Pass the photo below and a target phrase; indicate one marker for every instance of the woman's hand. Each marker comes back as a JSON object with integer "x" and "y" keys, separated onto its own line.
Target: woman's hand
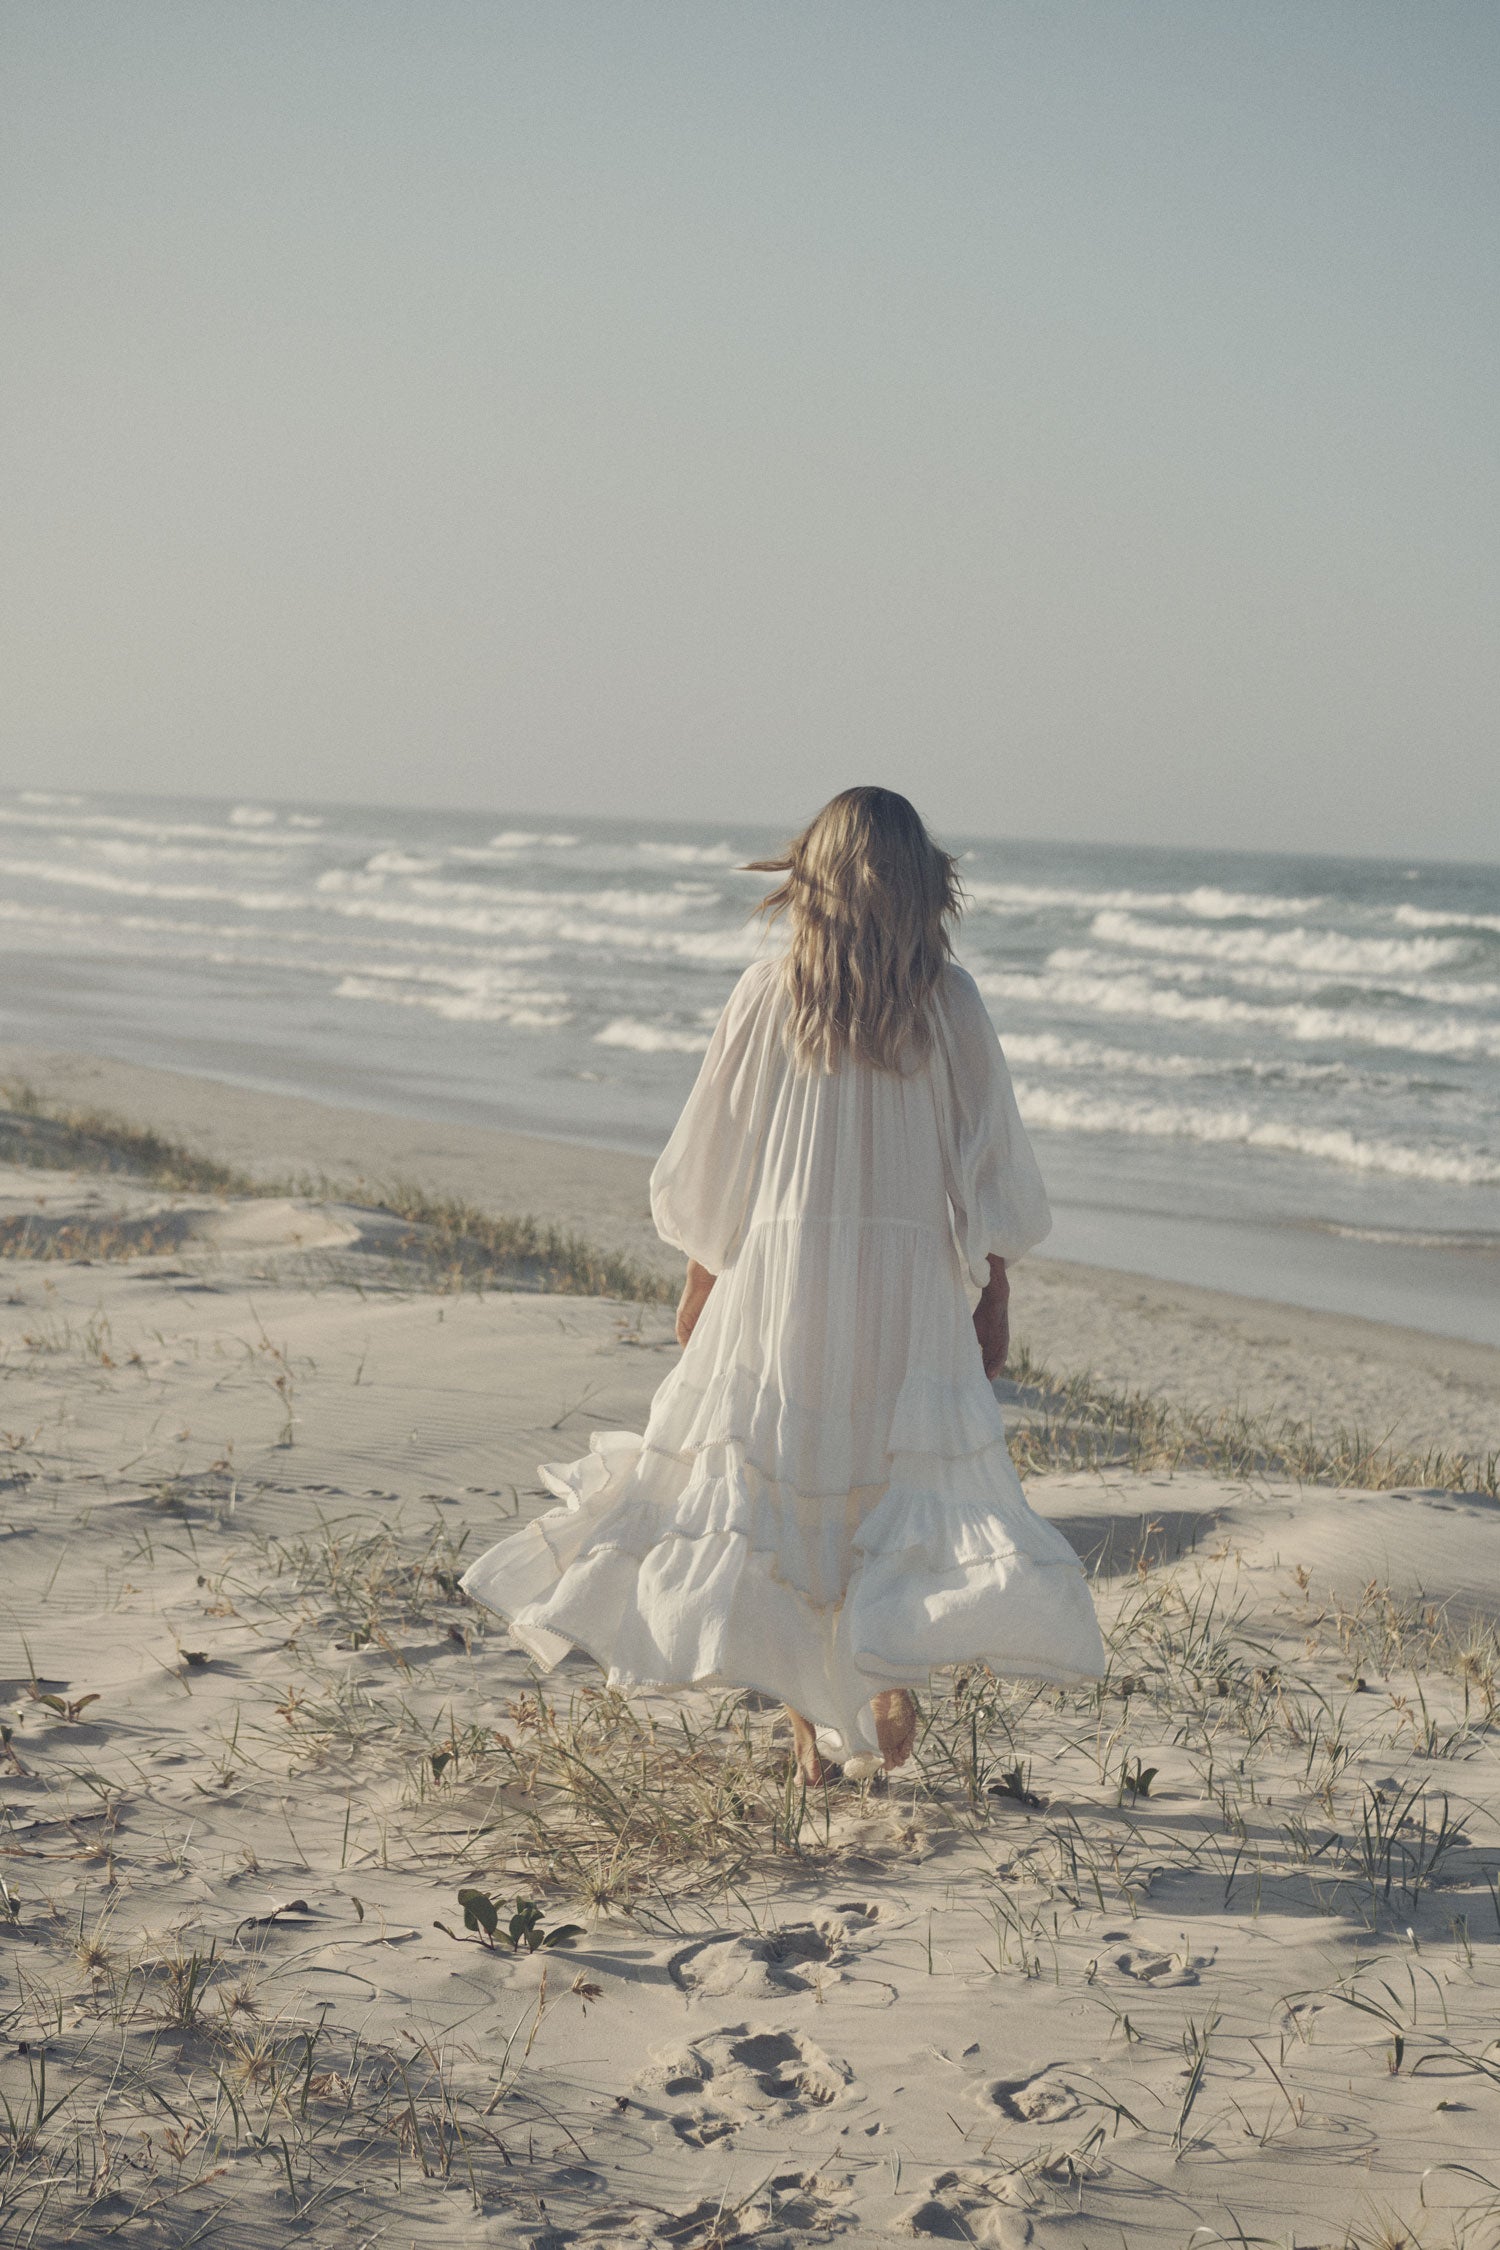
{"x": 992, "y": 1320}
{"x": 693, "y": 1299}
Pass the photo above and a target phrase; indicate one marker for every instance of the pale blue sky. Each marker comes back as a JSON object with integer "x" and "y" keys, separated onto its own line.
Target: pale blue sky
{"x": 1082, "y": 416}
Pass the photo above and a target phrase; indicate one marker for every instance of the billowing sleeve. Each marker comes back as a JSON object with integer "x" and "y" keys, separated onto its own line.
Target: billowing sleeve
{"x": 702, "y": 1183}
{"x": 999, "y": 1202}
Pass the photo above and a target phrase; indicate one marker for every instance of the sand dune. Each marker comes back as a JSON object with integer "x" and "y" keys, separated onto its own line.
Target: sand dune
{"x": 1221, "y": 1954}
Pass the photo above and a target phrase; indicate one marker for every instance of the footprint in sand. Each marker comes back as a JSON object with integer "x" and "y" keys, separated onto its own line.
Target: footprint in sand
{"x": 774, "y": 1962}
{"x": 788, "y": 2069}
{"x": 701, "y": 2128}
{"x": 1159, "y": 1968}
{"x": 969, "y": 2206}
{"x": 745, "y": 2071}
{"x": 1043, "y": 2099}
{"x": 808, "y": 2202}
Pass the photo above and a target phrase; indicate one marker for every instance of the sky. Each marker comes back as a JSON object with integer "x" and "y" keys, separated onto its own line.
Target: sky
{"x": 1080, "y": 414}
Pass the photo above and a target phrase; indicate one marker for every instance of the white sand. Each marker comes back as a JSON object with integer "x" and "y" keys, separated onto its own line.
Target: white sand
{"x": 974, "y": 2024}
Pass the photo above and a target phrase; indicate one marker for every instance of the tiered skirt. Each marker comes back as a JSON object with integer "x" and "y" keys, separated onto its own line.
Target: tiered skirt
{"x": 822, "y": 1505}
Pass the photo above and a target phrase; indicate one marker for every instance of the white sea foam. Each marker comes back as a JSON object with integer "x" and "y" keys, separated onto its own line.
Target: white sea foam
{"x": 370, "y": 881}
{"x": 47, "y": 797}
{"x": 130, "y": 886}
{"x": 1079, "y": 1110}
{"x": 1436, "y": 918}
{"x": 393, "y": 862}
{"x": 1205, "y": 900}
{"x": 1304, "y": 1022}
{"x": 527, "y": 840}
{"x": 1052, "y": 1050}
{"x": 130, "y": 851}
{"x": 651, "y": 1038}
{"x": 79, "y": 823}
{"x": 252, "y": 816}
{"x": 461, "y": 996}
{"x": 555, "y": 922}
{"x": 1325, "y": 952}
{"x": 1259, "y": 976}
{"x": 692, "y": 855}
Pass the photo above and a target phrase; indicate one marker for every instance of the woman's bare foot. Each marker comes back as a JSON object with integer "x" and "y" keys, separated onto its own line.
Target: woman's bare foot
{"x": 895, "y": 1726}
{"x": 810, "y": 1763}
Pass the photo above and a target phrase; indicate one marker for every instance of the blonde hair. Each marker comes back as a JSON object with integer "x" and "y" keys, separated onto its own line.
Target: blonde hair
{"x": 870, "y": 897}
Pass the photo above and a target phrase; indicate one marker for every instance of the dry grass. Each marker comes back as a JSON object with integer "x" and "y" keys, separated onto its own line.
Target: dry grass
{"x": 169, "y": 2074}
{"x": 74, "y": 1241}
{"x": 88, "y": 1140}
{"x": 459, "y": 1245}
{"x": 1296, "y": 1761}
{"x": 635, "y": 1806}
{"x": 451, "y": 1244}
{"x": 1072, "y": 1422}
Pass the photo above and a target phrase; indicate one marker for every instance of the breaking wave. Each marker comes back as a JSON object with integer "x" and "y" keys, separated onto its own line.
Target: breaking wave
{"x": 460, "y": 996}
{"x": 651, "y": 1038}
{"x": 1327, "y": 952}
{"x": 1072, "y": 1109}
{"x": 1205, "y": 901}
{"x": 1303, "y": 1021}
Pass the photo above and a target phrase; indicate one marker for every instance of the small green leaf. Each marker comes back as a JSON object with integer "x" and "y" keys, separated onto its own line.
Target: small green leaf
{"x": 479, "y": 1912}
{"x": 563, "y": 1935}
{"x": 522, "y": 1928}
{"x": 437, "y": 1759}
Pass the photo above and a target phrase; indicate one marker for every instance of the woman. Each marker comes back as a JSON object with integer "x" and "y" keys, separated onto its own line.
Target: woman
{"x": 822, "y": 1506}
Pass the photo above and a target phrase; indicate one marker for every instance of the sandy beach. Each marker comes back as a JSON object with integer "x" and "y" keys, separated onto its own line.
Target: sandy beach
{"x": 1211, "y": 1954}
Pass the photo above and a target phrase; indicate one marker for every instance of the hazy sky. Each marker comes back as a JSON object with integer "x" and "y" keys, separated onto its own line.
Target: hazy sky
{"x": 1082, "y": 413}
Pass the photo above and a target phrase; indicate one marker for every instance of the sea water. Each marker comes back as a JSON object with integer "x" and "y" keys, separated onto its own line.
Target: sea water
{"x": 1275, "y": 1075}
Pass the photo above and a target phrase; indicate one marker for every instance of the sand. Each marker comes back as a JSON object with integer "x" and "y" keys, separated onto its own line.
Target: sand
{"x": 1233, "y": 1976}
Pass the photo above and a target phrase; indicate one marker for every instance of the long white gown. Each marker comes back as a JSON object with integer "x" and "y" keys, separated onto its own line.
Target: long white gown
{"x": 822, "y": 1505}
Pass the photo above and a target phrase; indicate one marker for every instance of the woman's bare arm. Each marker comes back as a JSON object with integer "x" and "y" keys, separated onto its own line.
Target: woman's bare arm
{"x": 992, "y": 1319}
{"x": 693, "y": 1299}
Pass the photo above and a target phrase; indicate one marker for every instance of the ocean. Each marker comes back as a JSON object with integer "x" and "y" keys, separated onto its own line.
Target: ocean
{"x": 1274, "y": 1075}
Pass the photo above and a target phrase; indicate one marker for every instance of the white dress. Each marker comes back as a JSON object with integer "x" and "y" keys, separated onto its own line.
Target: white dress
{"x": 822, "y": 1505}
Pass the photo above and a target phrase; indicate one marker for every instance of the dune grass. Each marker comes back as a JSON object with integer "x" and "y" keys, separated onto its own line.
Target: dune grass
{"x": 90, "y": 1140}
{"x": 638, "y": 1805}
{"x": 1075, "y": 1422}
{"x": 166, "y": 2076}
{"x": 452, "y": 1244}
{"x": 459, "y": 1243}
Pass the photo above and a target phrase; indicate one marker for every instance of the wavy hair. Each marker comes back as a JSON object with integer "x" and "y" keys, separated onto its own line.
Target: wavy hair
{"x": 871, "y": 898}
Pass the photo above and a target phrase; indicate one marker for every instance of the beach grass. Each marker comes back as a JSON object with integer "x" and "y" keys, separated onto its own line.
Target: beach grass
{"x": 1075, "y": 1422}
{"x": 56, "y": 1138}
{"x": 459, "y": 1244}
{"x": 1263, "y": 1751}
{"x": 1260, "y": 1752}
{"x": 451, "y": 1244}
{"x": 139, "y": 2072}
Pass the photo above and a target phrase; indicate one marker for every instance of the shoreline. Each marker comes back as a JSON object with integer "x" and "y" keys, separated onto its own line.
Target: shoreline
{"x": 1198, "y": 1345}
{"x": 1135, "y": 1210}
